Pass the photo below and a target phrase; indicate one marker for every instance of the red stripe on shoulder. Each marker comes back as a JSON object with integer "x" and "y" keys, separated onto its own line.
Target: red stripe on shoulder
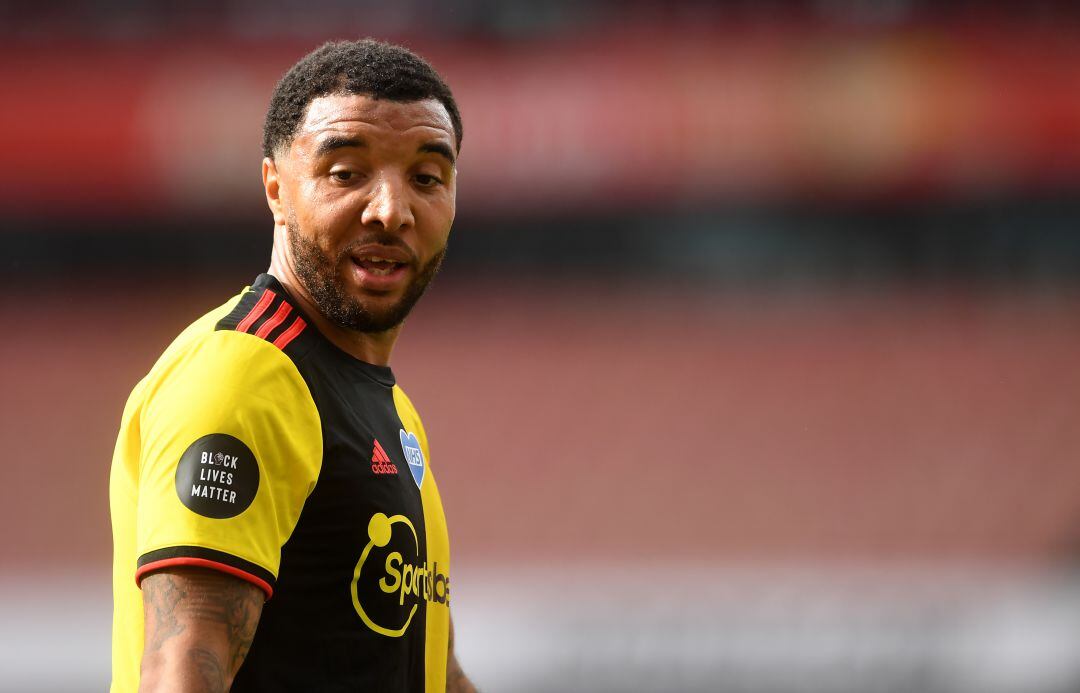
{"x": 264, "y": 301}
{"x": 276, "y": 319}
{"x": 203, "y": 563}
{"x": 290, "y": 334}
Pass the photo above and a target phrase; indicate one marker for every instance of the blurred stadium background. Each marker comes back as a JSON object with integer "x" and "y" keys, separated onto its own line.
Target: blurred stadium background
{"x": 754, "y": 365}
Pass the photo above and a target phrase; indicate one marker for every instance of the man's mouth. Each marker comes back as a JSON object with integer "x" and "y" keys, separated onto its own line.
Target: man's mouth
{"x": 377, "y": 265}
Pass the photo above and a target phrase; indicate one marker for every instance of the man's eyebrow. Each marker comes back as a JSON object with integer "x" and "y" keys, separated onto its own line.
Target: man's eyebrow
{"x": 439, "y": 148}
{"x": 337, "y": 142}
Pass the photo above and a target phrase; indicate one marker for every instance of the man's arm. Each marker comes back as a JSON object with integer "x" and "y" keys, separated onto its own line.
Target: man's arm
{"x": 456, "y": 680}
{"x": 199, "y": 627}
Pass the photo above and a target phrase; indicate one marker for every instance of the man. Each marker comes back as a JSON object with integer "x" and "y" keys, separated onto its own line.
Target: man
{"x": 276, "y": 523}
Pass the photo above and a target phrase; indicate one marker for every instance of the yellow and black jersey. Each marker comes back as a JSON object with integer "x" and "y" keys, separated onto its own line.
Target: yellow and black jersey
{"x": 257, "y": 448}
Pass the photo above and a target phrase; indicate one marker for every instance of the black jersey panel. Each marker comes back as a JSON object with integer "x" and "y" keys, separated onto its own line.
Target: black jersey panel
{"x": 348, "y": 611}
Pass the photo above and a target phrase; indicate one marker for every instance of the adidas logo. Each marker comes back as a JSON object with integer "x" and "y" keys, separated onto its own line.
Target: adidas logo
{"x": 380, "y": 461}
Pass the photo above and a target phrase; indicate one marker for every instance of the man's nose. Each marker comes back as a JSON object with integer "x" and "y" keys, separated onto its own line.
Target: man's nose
{"x": 388, "y": 205}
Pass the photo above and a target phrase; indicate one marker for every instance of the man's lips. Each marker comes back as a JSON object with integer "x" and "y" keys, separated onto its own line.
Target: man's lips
{"x": 381, "y": 253}
{"x": 380, "y": 267}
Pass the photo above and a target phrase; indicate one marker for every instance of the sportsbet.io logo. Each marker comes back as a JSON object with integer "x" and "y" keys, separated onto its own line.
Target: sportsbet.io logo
{"x": 217, "y": 476}
{"x": 388, "y": 583}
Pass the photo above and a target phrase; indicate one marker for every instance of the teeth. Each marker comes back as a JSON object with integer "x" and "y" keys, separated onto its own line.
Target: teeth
{"x": 378, "y": 265}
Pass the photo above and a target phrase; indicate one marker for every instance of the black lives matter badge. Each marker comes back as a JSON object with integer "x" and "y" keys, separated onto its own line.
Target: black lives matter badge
{"x": 217, "y": 476}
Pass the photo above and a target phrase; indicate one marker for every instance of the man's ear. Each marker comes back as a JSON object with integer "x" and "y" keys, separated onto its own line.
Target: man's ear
{"x": 272, "y": 186}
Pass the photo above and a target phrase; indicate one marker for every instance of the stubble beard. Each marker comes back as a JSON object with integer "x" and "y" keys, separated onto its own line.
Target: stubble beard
{"x": 321, "y": 277}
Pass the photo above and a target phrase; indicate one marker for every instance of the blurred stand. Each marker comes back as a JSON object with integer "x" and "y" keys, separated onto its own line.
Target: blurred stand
{"x": 753, "y": 366}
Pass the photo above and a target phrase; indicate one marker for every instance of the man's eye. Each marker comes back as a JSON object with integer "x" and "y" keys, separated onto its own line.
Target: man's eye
{"x": 343, "y": 176}
{"x": 425, "y": 180}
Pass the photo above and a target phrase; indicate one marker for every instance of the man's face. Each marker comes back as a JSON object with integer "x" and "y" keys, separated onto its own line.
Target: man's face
{"x": 367, "y": 190}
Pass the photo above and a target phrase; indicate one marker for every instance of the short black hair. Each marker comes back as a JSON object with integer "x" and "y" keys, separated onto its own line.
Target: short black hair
{"x": 368, "y": 67}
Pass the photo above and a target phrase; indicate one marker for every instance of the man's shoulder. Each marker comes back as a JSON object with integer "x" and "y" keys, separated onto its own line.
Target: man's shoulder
{"x": 201, "y": 340}
{"x": 409, "y": 416}
{"x": 249, "y": 344}
{"x": 261, "y": 311}
{"x": 198, "y": 331}
{"x": 403, "y": 403}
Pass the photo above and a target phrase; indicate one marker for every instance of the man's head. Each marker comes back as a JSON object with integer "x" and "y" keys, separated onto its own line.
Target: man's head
{"x": 366, "y": 67}
{"x": 360, "y": 144}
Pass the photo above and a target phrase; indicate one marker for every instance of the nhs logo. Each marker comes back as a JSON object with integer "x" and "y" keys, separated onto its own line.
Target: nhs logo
{"x": 410, "y": 445}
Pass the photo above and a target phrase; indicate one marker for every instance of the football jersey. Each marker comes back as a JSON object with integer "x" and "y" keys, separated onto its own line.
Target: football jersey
{"x": 257, "y": 448}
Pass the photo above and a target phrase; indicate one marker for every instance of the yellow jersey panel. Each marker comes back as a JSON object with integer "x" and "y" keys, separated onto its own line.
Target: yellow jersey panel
{"x": 438, "y": 556}
{"x": 219, "y": 447}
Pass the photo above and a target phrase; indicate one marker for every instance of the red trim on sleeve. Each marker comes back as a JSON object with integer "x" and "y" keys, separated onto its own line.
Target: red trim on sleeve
{"x": 203, "y": 563}
{"x": 290, "y": 334}
{"x": 264, "y": 301}
{"x": 276, "y": 319}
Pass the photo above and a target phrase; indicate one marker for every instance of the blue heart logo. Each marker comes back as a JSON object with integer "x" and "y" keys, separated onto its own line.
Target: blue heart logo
{"x": 410, "y": 445}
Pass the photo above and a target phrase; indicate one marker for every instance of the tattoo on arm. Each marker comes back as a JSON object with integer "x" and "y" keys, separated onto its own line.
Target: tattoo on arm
{"x": 161, "y": 594}
{"x": 199, "y": 626}
{"x": 231, "y": 604}
{"x": 208, "y": 669}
